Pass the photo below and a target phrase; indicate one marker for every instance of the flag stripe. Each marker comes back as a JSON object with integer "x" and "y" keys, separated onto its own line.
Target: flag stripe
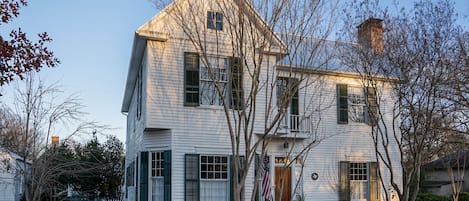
{"x": 266, "y": 186}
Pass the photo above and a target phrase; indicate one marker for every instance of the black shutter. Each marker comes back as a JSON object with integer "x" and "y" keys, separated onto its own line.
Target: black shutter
{"x": 144, "y": 176}
{"x": 342, "y": 104}
{"x": 167, "y": 175}
{"x": 191, "y": 177}
{"x": 237, "y": 92}
{"x": 191, "y": 79}
{"x": 344, "y": 181}
{"x": 372, "y": 101}
{"x": 374, "y": 183}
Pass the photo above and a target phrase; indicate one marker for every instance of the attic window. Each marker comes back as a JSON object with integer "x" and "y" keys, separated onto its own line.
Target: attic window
{"x": 215, "y": 20}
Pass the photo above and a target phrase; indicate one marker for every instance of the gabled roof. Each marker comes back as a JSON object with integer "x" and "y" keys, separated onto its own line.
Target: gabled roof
{"x": 145, "y": 32}
{"x": 452, "y": 159}
{"x": 12, "y": 154}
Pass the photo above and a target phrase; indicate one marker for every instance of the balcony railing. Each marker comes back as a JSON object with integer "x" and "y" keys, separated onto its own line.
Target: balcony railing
{"x": 297, "y": 124}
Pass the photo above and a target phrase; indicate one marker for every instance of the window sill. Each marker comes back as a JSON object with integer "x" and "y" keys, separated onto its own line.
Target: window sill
{"x": 211, "y": 107}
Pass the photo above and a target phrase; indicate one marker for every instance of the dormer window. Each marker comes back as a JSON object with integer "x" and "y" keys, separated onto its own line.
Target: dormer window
{"x": 215, "y": 20}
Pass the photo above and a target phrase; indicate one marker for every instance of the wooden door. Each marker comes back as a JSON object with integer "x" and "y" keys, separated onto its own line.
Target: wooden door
{"x": 283, "y": 174}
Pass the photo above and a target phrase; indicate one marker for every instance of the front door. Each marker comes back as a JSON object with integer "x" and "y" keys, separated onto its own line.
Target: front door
{"x": 283, "y": 175}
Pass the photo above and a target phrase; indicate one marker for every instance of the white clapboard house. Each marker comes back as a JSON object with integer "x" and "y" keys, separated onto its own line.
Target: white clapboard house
{"x": 178, "y": 146}
{"x": 11, "y": 175}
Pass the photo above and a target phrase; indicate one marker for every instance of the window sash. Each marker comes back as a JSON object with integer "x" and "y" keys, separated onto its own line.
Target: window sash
{"x": 357, "y": 104}
{"x": 157, "y": 188}
{"x": 219, "y": 67}
{"x": 213, "y": 168}
{"x": 157, "y": 161}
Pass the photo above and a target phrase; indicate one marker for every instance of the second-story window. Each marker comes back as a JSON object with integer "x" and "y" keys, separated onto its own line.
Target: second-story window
{"x": 201, "y": 79}
{"x": 353, "y": 104}
{"x": 218, "y": 68}
{"x": 357, "y": 104}
{"x": 215, "y": 20}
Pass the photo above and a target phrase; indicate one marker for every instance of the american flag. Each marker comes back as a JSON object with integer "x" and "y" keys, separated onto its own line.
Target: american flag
{"x": 266, "y": 186}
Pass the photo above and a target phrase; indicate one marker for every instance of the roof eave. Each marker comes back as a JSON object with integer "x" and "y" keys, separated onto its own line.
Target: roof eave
{"x": 135, "y": 58}
{"x": 139, "y": 45}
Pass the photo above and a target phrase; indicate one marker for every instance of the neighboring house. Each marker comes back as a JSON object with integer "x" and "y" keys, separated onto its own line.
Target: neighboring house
{"x": 178, "y": 147}
{"x": 437, "y": 173}
{"x": 11, "y": 175}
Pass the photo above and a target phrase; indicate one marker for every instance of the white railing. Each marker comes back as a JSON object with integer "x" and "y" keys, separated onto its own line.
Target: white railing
{"x": 298, "y": 123}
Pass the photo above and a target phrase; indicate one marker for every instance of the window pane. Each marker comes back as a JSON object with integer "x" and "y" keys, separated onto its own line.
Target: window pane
{"x": 214, "y": 167}
{"x": 210, "y": 19}
{"x": 157, "y": 164}
{"x": 357, "y": 104}
{"x": 212, "y": 74}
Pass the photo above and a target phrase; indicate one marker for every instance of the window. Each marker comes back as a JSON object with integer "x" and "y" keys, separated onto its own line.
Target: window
{"x": 215, "y": 20}
{"x": 358, "y": 181}
{"x": 219, "y": 69}
{"x": 200, "y": 80}
{"x": 207, "y": 177}
{"x": 352, "y": 105}
{"x": 214, "y": 167}
{"x": 357, "y": 104}
{"x": 214, "y": 183}
{"x": 157, "y": 176}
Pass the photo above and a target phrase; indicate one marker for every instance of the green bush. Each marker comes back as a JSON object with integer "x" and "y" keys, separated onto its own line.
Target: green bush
{"x": 432, "y": 197}
{"x": 464, "y": 196}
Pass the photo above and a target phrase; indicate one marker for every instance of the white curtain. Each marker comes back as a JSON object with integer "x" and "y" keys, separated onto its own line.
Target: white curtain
{"x": 214, "y": 190}
{"x": 157, "y": 188}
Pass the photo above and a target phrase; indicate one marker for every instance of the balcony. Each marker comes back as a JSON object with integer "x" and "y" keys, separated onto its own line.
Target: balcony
{"x": 296, "y": 126}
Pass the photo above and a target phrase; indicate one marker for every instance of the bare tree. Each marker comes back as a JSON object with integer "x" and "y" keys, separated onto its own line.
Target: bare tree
{"x": 257, "y": 34}
{"x": 418, "y": 54}
{"x": 39, "y": 109}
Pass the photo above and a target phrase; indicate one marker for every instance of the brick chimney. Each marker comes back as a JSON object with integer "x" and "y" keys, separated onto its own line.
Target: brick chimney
{"x": 370, "y": 34}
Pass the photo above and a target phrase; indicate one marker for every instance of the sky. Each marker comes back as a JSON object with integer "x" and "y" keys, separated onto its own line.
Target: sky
{"x": 93, "y": 40}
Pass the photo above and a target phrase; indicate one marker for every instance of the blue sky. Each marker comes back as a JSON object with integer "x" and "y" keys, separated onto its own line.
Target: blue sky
{"x": 93, "y": 40}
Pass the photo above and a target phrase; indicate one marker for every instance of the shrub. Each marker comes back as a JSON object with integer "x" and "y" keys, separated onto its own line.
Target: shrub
{"x": 464, "y": 196}
{"x": 432, "y": 197}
